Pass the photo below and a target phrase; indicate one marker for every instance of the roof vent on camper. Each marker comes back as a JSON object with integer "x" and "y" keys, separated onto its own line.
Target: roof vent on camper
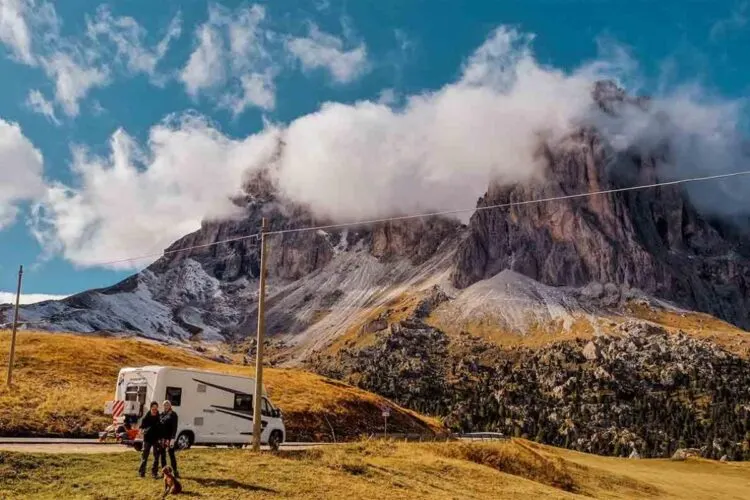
{"x": 201, "y": 387}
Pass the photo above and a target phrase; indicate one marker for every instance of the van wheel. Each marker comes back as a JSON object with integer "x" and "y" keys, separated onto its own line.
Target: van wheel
{"x": 274, "y": 440}
{"x": 184, "y": 440}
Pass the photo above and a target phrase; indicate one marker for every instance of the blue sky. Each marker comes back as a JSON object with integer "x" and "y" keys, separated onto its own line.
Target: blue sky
{"x": 73, "y": 74}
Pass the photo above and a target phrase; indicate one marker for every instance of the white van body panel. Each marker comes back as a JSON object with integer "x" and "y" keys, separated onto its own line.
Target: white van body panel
{"x": 213, "y": 408}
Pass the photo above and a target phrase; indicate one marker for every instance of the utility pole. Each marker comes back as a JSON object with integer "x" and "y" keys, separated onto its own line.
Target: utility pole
{"x": 258, "y": 396}
{"x": 15, "y": 328}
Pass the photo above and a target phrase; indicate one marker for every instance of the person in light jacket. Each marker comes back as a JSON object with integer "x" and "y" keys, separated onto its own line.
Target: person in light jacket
{"x": 168, "y": 424}
{"x": 152, "y": 433}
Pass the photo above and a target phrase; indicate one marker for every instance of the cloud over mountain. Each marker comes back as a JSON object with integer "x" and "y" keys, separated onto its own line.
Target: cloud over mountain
{"x": 356, "y": 161}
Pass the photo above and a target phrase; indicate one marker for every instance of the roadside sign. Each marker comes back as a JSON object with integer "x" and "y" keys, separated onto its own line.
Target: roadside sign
{"x": 386, "y": 412}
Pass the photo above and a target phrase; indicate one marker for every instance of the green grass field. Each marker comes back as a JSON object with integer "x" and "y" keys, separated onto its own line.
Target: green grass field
{"x": 509, "y": 470}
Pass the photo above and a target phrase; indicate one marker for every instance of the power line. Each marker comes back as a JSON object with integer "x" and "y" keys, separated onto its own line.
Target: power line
{"x": 169, "y": 252}
{"x": 512, "y": 204}
{"x": 434, "y": 214}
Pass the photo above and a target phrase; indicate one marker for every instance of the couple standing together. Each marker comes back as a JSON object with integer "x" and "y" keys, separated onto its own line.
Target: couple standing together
{"x": 159, "y": 434}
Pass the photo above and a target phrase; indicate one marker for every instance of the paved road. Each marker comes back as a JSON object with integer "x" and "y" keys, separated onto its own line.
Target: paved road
{"x": 67, "y": 445}
{"x": 87, "y": 446}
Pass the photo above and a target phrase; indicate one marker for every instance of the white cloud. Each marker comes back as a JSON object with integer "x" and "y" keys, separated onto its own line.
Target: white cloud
{"x": 14, "y": 32}
{"x": 323, "y": 50}
{"x": 20, "y": 171}
{"x": 129, "y": 39}
{"x": 389, "y": 97}
{"x": 246, "y": 37}
{"x": 31, "y": 29}
{"x": 73, "y": 79}
{"x": 134, "y": 200}
{"x": 231, "y": 62}
{"x": 256, "y": 89}
{"x": 77, "y": 64}
{"x": 39, "y": 104}
{"x": 435, "y": 151}
{"x": 736, "y": 20}
{"x": 27, "y": 298}
{"x": 322, "y": 5}
{"x": 205, "y": 68}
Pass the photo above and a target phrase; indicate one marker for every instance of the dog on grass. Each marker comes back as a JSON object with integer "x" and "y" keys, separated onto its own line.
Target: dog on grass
{"x": 172, "y": 485}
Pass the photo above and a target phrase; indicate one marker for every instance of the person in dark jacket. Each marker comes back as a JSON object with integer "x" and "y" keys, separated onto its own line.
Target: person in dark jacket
{"x": 152, "y": 433}
{"x": 168, "y": 426}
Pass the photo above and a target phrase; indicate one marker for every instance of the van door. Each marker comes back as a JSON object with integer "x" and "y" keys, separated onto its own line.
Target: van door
{"x": 241, "y": 419}
{"x": 266, "y": 412}
{"x": 137, "y": 393}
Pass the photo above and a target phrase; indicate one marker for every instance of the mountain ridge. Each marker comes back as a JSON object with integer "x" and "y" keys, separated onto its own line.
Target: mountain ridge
{"x": 323, "y": 282}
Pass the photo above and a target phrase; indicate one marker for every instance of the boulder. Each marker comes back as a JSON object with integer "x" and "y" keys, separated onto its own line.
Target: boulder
{"x": 591, "y": 351}
{"x": 685, "y": 453}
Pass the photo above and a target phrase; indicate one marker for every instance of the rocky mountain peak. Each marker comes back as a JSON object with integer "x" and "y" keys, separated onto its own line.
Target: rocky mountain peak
{"x": 653, "y": 240}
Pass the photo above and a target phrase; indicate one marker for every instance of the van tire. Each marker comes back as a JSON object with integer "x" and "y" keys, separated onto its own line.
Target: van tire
{"x": 184, "y": 441}
{"x": 274, "y": 440}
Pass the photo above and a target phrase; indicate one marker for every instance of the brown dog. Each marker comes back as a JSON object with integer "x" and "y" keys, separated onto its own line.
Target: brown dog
{"x": 171, "y": 484}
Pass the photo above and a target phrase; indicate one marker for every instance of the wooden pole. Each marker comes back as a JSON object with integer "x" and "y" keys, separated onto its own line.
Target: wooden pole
{"x": 258, "y": 395}
{"x": 12, "y": 356}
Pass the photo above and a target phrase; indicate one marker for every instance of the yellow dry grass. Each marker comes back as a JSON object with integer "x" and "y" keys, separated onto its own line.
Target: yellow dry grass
{"x": 515, "y": 469}
{"x": 61, "y": 382}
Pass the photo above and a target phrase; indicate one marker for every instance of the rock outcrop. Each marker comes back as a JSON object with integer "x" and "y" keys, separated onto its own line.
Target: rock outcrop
{"x": 647, "y": 390}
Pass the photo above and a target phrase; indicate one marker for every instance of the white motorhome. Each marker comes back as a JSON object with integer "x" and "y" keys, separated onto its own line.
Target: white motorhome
{"x": 212, "y": 408}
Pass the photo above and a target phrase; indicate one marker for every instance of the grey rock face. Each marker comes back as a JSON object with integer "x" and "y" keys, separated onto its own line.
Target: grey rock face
{"x": 653, "y": 240}
{"x": 208, "y": 291}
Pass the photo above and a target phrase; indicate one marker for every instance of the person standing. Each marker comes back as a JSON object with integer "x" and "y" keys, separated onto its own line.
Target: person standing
{"x": 168, "y": 425}
{"x": 152, "y": 433}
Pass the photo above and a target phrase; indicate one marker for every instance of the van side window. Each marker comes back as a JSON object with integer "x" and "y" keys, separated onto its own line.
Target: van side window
{"x": 174, "y": 395}
{"x": 266, "y": 408}
{"x": 243, "y": 402}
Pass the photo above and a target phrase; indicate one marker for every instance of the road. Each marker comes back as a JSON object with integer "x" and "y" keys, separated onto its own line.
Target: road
{"x": 89, "y": 446}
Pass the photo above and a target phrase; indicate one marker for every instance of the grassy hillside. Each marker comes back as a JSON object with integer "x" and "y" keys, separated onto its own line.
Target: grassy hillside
{"x": 62, "y": 381}
{"x": 516, "y": 469}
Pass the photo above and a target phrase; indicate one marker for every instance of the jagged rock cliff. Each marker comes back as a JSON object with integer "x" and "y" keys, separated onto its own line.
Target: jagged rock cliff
{"x": 653, "y": 240}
